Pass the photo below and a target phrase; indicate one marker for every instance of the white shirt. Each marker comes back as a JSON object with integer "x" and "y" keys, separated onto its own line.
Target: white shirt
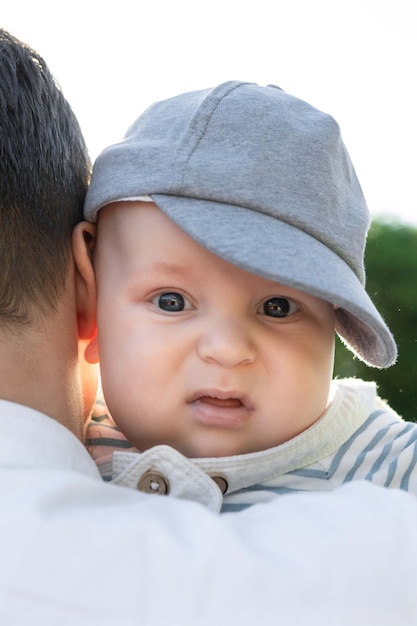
{"x": 75, "y": 551}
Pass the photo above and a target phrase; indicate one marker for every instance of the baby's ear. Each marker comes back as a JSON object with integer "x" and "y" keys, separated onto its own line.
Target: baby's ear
{"x": 83, "y": 242}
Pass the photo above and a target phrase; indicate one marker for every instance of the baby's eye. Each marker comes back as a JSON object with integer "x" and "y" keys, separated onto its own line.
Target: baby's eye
{"x": 278, "y": 307}
{"x": 171, "y": 301}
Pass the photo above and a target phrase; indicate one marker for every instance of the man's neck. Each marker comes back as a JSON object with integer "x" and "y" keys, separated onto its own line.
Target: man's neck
{"x": 39, "y": 368}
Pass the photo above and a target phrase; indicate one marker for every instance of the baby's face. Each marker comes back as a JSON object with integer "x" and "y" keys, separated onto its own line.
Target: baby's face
{"x": 198, "y": 354}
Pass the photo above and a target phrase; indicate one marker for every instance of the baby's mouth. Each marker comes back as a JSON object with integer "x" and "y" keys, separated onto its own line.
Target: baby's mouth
{"x": 223, "y": 402}
{"x": 221, "y": 409}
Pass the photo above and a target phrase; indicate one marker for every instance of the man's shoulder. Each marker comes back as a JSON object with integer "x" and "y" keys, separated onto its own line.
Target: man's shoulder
{"x": 30, "y": 440}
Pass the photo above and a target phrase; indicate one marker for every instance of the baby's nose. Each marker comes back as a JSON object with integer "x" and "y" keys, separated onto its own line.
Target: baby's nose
{"x": 228, "y": 343}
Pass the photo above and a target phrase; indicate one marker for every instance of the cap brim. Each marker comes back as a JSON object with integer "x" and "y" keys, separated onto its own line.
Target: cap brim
{"x": 278, "y": 251}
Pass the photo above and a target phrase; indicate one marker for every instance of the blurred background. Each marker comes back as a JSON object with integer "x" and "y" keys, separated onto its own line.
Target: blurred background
{"x": 391, "y": 266}
{"x": 355, "y": 59}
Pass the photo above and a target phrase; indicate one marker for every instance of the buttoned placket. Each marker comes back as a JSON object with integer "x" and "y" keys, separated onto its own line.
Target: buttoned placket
{"x": 164, "y": 471}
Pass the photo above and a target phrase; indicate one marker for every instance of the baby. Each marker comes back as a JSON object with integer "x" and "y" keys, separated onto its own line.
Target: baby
{"x": 229, "y": 249}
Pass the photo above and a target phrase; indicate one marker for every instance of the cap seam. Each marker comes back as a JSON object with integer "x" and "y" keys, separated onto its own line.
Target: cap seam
{"x": 233, "y": 87}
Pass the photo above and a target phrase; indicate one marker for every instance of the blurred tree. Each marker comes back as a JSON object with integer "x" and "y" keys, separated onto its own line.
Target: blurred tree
{"x": 391, "y": 268}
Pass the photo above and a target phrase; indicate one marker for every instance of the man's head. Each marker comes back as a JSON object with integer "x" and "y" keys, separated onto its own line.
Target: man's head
{"x": 45, "y": 305}
{"x": 263, "y": 180}
{"x": 44, "y": 173}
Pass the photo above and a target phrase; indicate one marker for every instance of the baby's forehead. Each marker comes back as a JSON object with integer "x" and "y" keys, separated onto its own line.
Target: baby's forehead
{"x": 136, "y": 203}
{"x": 143, "y": 241}
{"x": 137, "y": 232}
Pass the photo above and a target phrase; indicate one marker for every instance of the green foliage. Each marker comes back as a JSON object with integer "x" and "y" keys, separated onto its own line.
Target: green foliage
{"x": 391, "y": 268}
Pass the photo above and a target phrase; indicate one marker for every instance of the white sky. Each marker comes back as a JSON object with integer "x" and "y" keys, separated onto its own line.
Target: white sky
{"x": 355, "y": 59}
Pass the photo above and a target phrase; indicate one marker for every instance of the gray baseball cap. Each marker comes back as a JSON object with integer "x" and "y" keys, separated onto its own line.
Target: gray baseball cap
{"x": 263, "y": 180}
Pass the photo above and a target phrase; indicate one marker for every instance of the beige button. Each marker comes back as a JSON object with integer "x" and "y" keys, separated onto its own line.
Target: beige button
{"x": 221, "y": 482}
{"x": 154, "y": 482}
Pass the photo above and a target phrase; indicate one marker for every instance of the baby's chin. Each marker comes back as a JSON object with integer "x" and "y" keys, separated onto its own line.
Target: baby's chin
{"x": 206, "y": 449}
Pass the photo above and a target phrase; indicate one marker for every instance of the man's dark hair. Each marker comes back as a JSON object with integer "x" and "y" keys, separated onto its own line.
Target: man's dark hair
{"x": 44, "y": 174}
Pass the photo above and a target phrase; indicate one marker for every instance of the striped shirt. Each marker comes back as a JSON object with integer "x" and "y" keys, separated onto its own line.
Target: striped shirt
{"x": 357, "y": 438}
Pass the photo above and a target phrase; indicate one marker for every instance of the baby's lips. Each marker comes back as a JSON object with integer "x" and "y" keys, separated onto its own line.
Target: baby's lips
{"x": 223, "y": 402}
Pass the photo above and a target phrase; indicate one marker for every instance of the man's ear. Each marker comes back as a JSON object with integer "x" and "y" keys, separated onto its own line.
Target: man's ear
{"x": 83, "y": 242}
